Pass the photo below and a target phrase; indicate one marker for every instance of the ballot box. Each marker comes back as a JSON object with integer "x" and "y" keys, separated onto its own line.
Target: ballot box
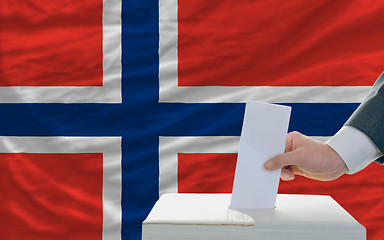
{"x": 208, "y": 217}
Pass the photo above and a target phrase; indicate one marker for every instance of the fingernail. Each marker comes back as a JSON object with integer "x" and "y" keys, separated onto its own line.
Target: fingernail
{"x": 286, "y": 176}
{"x": 268, "y": 165}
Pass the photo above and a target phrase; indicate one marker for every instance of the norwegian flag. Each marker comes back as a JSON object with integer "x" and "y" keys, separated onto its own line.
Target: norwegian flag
{"x": 107, "y": 104}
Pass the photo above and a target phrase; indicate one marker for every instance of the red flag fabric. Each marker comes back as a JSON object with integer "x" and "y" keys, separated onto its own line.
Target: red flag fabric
{"x": 52, "y": 43}
{"x": 51, "y": 196}
{"x": 279, "y": 43}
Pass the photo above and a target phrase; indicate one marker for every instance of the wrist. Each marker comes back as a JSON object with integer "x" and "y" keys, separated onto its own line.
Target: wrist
{"x": 340, "y": 167}
{"x": 354, "y": 147}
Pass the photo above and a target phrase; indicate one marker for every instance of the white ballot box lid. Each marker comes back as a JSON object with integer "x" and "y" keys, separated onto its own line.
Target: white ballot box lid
{"x": 207, "y": 216}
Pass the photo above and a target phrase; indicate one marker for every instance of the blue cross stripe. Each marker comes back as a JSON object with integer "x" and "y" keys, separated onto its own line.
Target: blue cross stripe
{"x": 140, "y": 119}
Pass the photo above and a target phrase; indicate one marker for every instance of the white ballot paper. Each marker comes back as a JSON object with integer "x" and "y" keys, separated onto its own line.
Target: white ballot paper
{"x": 263, "y": 136}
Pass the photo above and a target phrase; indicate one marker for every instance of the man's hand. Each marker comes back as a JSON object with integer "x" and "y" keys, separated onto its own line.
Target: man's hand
{"x": 307, "y": 157}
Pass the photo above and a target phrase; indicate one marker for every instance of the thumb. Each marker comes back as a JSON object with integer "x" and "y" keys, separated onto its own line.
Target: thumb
{"x": 281, "y": 160}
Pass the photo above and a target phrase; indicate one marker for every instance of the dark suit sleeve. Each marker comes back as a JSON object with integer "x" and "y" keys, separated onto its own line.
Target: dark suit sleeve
{"x": 369, "y": 116}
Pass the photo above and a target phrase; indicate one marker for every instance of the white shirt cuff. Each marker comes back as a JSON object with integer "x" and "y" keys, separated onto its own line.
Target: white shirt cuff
{"x": 354, "y": 147}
